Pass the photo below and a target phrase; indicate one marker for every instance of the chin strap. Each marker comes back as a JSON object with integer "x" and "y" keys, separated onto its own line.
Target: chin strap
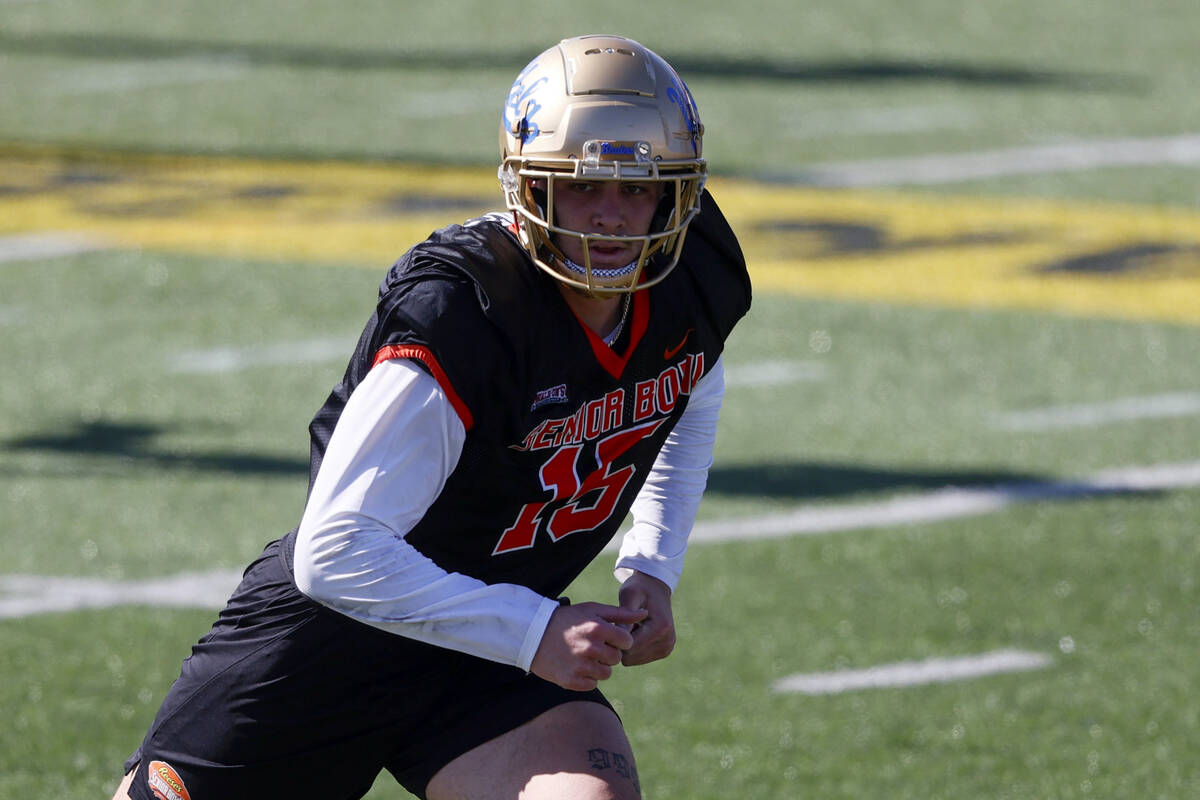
{"x": 607, "y": 274}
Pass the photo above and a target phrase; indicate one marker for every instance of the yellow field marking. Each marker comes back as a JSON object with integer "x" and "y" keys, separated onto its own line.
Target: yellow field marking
{"x": 973, "y": 252}
{"x": 326, "y": 212}
{"x": 1114, "y": 261}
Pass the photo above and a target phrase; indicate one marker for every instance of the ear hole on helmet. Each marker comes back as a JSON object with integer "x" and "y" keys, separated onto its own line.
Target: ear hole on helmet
{"x": 665, "y": 212}
{"x": 536, "y": 191}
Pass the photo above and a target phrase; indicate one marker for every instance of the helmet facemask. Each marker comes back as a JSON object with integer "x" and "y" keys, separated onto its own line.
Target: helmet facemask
{"x": 530, "y": 185}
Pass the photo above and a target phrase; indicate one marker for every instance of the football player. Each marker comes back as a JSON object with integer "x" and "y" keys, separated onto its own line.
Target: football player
{"x": 527, "y": 380}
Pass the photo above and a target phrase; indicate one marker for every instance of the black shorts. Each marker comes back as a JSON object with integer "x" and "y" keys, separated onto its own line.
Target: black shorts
{"x": 286, "y": 698}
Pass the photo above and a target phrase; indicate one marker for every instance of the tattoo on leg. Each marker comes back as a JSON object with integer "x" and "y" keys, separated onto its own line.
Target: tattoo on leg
{"x": 602, "y": 759}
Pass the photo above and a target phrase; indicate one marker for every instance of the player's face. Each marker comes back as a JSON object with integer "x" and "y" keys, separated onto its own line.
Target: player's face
{"x": 621, "y": 208}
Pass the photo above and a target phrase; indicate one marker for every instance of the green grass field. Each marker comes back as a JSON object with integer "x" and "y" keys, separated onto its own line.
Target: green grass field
{"x": 1026, "y": 332}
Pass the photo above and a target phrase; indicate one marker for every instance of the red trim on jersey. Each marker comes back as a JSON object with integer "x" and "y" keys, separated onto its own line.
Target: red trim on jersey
{"x": 426, "y": 357}
{"x": 615, "y": 364}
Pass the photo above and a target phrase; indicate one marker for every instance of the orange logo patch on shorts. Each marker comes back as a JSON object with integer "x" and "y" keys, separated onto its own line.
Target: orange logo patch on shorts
{"x": 165, "y": 782}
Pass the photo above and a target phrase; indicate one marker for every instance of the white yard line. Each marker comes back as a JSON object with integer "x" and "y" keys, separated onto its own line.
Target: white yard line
{"x": 148, "y": 74}
{"x": 233, "y": 359}
{"x": 875, "y": 121}
{"x": 24, "y": 595}
{"x": 1177, "y": 404}
{"x": 954, "y": 167}
{"x": 914, "y": 673}
{"x": 439, "y": 104}
{"x": 945, "y": 504}
{"x": 47, "y": 244}
{"x": 773, "y": 373}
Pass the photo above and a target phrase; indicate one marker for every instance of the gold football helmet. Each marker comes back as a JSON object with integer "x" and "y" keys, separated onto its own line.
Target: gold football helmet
{"x": 601, "y": 108}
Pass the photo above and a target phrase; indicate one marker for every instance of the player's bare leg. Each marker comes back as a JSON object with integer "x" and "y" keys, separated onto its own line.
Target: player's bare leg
{"x": 122, "y": 792}
{"x": 578, "y": 750}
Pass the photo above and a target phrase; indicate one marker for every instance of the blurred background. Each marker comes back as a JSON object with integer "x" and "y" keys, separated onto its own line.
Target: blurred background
{"x": 950, "y": 542}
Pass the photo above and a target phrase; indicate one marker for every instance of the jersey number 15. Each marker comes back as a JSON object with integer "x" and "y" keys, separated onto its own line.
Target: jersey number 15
{"x": 566, "y": 513}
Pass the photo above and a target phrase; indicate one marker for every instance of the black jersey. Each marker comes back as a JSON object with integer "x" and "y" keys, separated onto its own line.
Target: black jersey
{"x": 561, "y": 430}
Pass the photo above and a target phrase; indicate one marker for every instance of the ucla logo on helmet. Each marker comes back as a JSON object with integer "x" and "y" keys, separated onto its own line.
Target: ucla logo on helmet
{"x": 679, "y": 94}
{"x": 521, "y": 107}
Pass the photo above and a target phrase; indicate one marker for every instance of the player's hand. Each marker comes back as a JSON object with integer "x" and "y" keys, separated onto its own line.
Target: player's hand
{"x": 654, "y": 636}
{"x": 583, "y": 643}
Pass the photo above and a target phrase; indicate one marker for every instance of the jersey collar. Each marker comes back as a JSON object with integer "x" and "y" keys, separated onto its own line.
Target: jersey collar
{"x": 614, "y": 363}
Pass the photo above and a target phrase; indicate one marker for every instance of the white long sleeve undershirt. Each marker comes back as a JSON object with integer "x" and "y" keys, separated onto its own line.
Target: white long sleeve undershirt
{"x": 395, "y": 444}
{"x": 665, "y": 508}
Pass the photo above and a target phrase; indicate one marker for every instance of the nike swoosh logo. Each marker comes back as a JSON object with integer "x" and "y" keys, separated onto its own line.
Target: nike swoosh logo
{"x": 670, "y": 352}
